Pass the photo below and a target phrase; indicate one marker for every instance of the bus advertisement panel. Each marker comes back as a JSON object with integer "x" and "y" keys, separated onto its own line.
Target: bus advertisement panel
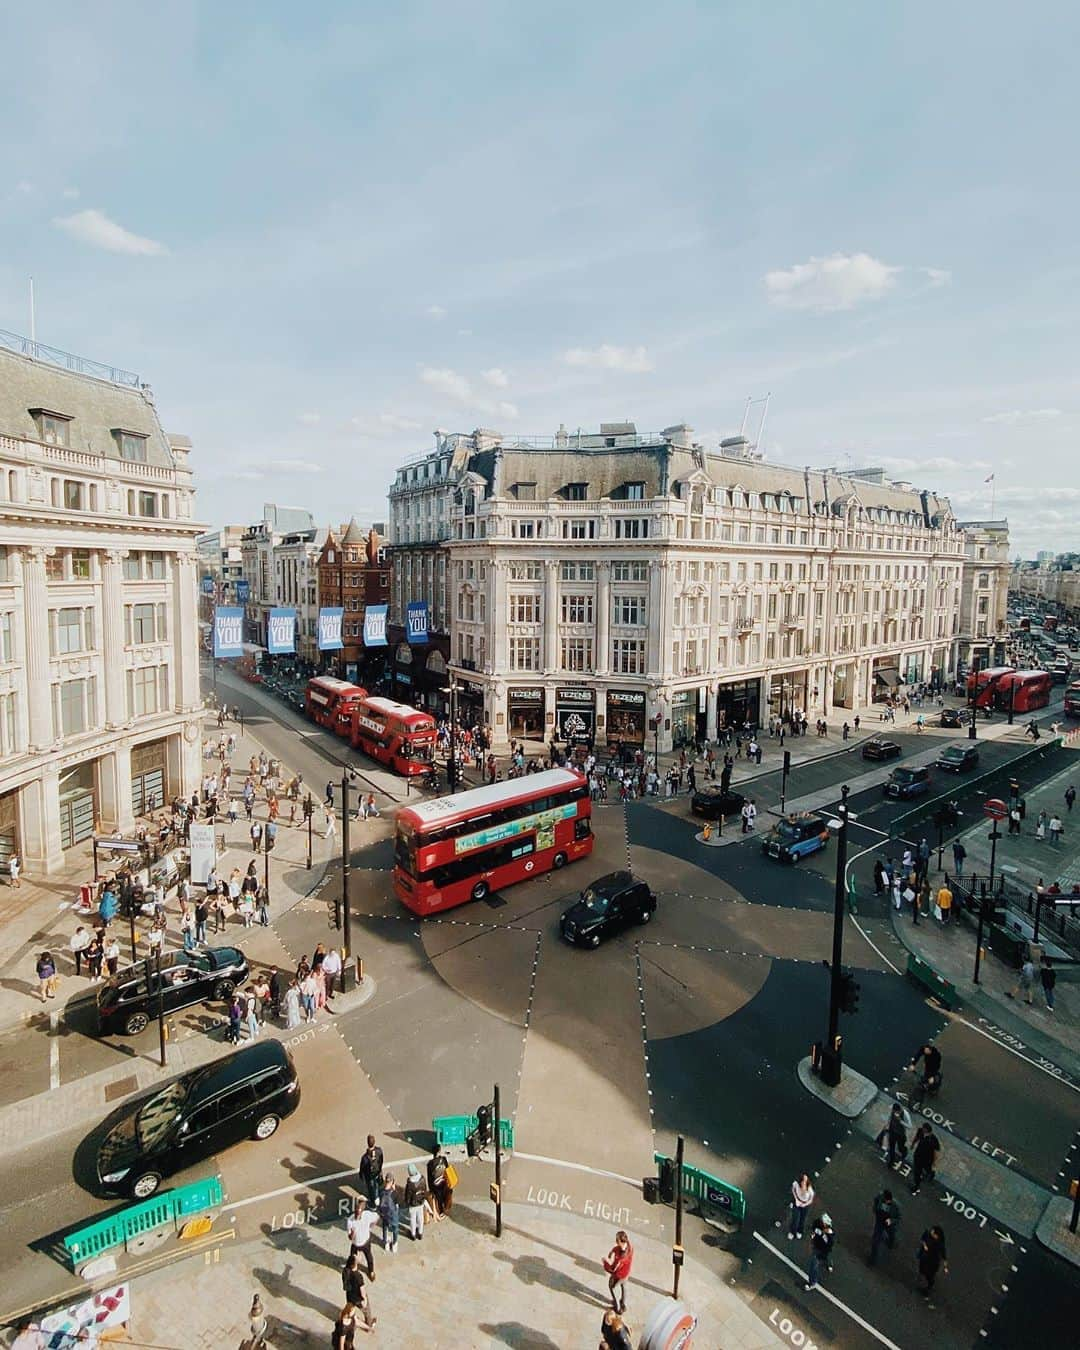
{"x": 465, "y": 846}
{"x": 982, "y": 684}
{"x": 394, "y": 734}
{"x": 1023, "y": 691}
{"x": 330, "y": 703}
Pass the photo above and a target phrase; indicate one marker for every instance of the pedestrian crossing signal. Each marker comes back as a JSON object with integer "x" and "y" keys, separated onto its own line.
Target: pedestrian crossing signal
{"x": 849, "y": 993}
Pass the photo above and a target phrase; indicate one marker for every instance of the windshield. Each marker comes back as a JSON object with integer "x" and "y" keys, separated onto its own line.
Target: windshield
{"x": 902, "y": 775}
{"x": 155, "y": 1119}
{"x": 405, "y": 850}
{"x": 593, "y": 900}
{"x": 786, "y": 831}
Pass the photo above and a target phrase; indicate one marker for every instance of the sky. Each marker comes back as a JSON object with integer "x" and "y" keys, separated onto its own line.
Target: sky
{"x": 322, "y": 232}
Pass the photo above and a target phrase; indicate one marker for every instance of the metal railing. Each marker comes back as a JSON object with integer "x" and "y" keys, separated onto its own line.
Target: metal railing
{"x": 79, "y": 365}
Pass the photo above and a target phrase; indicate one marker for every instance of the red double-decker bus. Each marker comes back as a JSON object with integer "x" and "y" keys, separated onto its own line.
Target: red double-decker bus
{"x": 464, "y": 846}
{"x": 330, "y": 702}
{"x": 1072, "y": 699}
{"x": 982, "y": 684}
{"x": 1023, "y": 690}
{"x": 394, "y": 734}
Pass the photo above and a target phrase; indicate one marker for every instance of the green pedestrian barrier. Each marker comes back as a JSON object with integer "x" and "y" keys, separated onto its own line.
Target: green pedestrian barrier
{"x": 451, "y": 1130}
{"x": 928, "y": 978}
{"x": 168, "y": 1209}
{"x": 711, "y": 1193}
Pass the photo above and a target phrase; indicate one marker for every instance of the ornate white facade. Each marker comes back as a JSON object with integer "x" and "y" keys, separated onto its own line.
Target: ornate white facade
{"x": 99, "y": 667}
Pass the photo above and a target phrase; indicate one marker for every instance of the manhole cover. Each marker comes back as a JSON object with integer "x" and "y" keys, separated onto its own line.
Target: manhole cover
{"x": 121, "y": 1087}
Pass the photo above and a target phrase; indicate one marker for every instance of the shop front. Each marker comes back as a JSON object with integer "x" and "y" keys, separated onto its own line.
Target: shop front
{"x": 625, "y": 723}
{"x": 470, "y": 703}
{"x": 788, "y": 694}
{"x": 575, "y": 715}
{"x": 525, "y": 708}
{"x": 77, "y": 804}
{"x": 738, "y": 704}
{"x": 431, "y": 681}
{"x": 403, "y": 675}
{"x": 843, "y": 685}
{"x": 885, "y": 678}
{"x": 684, "y": 709}
{"x": 9, "y": 827}
{"x": 148, "y": 777}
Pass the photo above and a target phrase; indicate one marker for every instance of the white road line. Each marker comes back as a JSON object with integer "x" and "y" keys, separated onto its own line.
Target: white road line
{"x": 318, "y": 1181}
{"x": 54, "y": 1051}
{"x": 866, "y": 937}
{"x": 1075, "y": 1087}
{"x": 831, "y": 1297}
{"x": 579, "y": 1167}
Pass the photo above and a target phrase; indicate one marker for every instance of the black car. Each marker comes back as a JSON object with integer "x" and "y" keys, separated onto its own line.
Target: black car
{"x": 879, "y": 749}
{"x": 958, "y": 758}
{"x": 954, "y": 717}
{"x": 610, "y": 903}
{"x": 711, "y": 802}
{"x": 243, "y": 1096}
{"x": 128, "y": 1000}
{"x": 908, "y": 782}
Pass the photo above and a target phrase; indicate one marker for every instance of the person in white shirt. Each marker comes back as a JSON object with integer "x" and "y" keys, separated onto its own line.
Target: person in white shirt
{"x": 77, "y": 945}
{"x": 358, "y": 1226}
{"x": 13, "y": 870}
{"x": 802, "y": 1197}
{"x": 331, "y": 966}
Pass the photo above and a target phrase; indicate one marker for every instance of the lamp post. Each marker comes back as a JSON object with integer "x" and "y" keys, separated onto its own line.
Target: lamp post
{"x": 451, "y": 760}
{"x": 833, "y": 1058}
{"x": 346, "y": 917}
{"x": 974, "y": 679}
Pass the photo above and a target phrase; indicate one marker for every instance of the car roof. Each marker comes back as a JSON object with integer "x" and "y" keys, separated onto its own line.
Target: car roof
{"x": 614, "y": 881}
{"x": 233, "y": 1069}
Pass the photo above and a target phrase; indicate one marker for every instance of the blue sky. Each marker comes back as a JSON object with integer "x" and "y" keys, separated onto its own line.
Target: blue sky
{"x": 320, "y": 232}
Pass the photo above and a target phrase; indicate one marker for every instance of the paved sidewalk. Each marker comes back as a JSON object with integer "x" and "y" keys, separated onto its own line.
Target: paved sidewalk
{"x": 540, "y": 1287}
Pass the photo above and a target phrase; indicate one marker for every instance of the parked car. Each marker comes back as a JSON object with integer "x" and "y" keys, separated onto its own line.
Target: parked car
{"x": 604, "y": 907}
{"x": 958, "y": 758}
{"x": 129, "y": 1000}
{"x": 879, "y": 749}
{"x": 711, "y": 802}
{"x": 908, "y": 782}
{"x": 243, "y": 1096}
{"x": 954, "y": 717}
{"x": 795, "y": 836}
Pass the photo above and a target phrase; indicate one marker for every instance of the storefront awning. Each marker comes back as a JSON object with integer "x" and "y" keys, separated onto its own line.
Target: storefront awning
{"x": 889, "y": 675}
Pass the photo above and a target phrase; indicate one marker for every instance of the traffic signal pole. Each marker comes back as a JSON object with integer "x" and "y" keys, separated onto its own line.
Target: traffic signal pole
{"x": 498, "y": 1163}
{"x": 346, "y": 918}
{"x": 831, "y": 1067}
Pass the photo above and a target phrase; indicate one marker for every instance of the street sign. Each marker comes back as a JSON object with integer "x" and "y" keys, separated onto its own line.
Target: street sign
{"x": 995, "y": 808}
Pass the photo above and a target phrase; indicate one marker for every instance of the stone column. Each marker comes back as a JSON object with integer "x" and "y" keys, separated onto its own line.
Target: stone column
{"x": 39, "y": 812}
{"x": 114, "y": 789}
{"x": 185, "y": 636}
{"x": 603, "y": 618}
{"x": 654, "y": 641}
{"x": 551, "y": 616}
{"x": 112, "y": 643}
{"x": 36, "y": 629}
{"x": 497, "y": 618}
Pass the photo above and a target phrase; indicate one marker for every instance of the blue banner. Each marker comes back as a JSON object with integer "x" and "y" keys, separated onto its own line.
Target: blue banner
{"x": 208, "y": 585}
{"x": 330, "y": 630}
{"x": 228, "y": 631}
{"x": 281, "y": 631}
{"x": 375, "y": 626}
{"x": 416, "y": 629}
{"x": 243, "y": 589}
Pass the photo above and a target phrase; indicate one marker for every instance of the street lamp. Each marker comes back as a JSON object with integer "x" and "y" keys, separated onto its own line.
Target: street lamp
{"x": 831, "y": 1060}
{"x": 974, "y": 682}
{"x": 451, "y": 761}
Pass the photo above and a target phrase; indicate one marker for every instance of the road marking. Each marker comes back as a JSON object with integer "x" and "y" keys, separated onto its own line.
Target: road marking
{"x": 54, "y": 1051}
{"x": 830, "y": 1296}
{"x": 579, "y": 1167}
{"x": 1013, "y": 1051}
{"x": 319, "y": 1181}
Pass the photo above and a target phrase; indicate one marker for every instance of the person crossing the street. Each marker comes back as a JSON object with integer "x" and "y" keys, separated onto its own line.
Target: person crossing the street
{"x": 886, "y": 1223}
{"x": 924, "y": 1156}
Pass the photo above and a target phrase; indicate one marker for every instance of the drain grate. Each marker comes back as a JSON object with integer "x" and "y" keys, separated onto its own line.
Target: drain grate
{"x": 121, "y": 1088}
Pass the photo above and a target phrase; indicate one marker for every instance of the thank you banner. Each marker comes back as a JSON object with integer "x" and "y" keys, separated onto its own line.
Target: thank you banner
{"x": 375, "y": 626}
{"x": 281, "y": 631}
{"x": 330, "y": 630}
{"x": 228, "y": 630}
{"x": 243, "y": 589}
{"x": 417, "y": 621}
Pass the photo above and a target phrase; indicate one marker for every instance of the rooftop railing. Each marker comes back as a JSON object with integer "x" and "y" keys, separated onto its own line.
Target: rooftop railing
{"x": 78, "y": 365}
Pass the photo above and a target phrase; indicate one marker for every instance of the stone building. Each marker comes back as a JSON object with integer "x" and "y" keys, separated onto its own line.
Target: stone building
{"x": 984, "y": 594}
{"x": 99, "y": 664}
{"x": 354, "y": 572}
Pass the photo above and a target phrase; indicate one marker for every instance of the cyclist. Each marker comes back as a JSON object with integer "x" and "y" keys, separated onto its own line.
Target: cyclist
{"x": 931, "y": 1076}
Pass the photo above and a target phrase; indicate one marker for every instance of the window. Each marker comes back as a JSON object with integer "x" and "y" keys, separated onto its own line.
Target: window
{"x": 6, "y": 647}
{"x": 133, "y": 567}
{"x": 582, "y": 571}
{"x": 524, "y": 608}
{"x": 75, "y": 706}
{"x": 144, "y": 623}
{"x": 80, "y": 564}
{"x": 631, "y": 527}
{"x": 146, "y": 503}
{"x": 74, "y": 495}
{"x": 630, "y": 610}
{"x": 72, "y": 630}
{"x": 8, "y": 724}
{"x": 55, "y": 566}
{"x": 525, "y": 492}
{"x": 525, "y": 571}
{"x": 577, "y": 609}
{"x": 54, "y": 428}
{"x": 154, "y": 566}
{"x": 635, "y": 492}
{"x": 576, "y": 492}
{"x": 628, "y": 656}
{"x": 132, "y": 447}
{"x": 5, "y": 569}
{"x": 147, "y": 690}
{"x": 579, "y": 529}
{"x": 629, "y": 571}
{"x": 525, "y": 529}
{"x": 577, "y": 655}
{"x": 524, "y": 653}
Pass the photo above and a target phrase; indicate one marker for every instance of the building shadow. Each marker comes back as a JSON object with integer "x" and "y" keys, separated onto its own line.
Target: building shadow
{"x": 281, "y": 1285}
{"x": 533, "y": 1270}
{"x": 518, "y": 1335}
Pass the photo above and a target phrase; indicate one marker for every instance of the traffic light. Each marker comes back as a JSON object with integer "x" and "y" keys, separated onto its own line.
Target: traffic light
{"x": 309, "y": 807}
{"x": 667, "y": 1180}
{"x": 849, "y": 993}
{"x": 787, "y": 761}
{"x": 483, "y": 1123}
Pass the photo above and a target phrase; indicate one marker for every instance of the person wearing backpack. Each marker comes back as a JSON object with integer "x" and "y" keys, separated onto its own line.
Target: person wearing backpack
{"x": 389, "y": 1212}
{"x": 415, "y": 1194}
{"x": 439, "y": 1185}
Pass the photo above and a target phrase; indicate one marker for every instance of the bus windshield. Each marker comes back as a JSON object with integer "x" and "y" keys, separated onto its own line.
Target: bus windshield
{"x": 405, "y": 849}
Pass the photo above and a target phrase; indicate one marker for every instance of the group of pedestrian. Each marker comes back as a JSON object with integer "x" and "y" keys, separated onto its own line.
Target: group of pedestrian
{"x": 1044, "y": 973}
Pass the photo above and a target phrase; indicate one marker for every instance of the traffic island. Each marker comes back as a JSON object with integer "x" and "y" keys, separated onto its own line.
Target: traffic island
{"x": 1053, "y": 1229}
{"x": 711, "y": 839}
{"x": 851, "y": 1096}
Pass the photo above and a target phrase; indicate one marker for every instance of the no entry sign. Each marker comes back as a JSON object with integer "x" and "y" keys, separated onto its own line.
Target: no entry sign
{"x": 995, "y": 808}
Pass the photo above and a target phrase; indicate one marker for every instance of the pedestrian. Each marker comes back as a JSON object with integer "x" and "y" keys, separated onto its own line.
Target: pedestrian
{"x": 358, "y": 1226}
{"x": 309, "y": 992}
{"x": 330, "y": 825}
{"x": 352, "y": 1281}
{"x": 1048, "y": 978}
{"x": 931, "y": 1258}
{"x": 802, "y": 1197}
{"x": 822, "y": 1240}
{"x": 959, "y": 853}
{"x": 879, "y": 877}
{"x": 1056, "y": 829}
{"x": 77, "y": 945}
{"x": 292, "y": 1006}
{"x": 343, "y": 1336}
{"x": 614, "y": 1333}
{"x": 202, "y": 913}
{"x": 256, "y": 836}
{"x": 1040, "y": 825}
{"x": 618, "y": 1264}
{"x": 14, "y": 870}
{"x": 251, "y": 1014}
{"x": 1026, "y": 980}
{"x": 749, "y": 815}
{"x": 236, "y": 1013}
{"x": 95, "y": 953}
{"x": 1014, "y": 819}
{"x": 886, "y": 1222}
{"x": 892, "y": 1137}
{"x": 46, "y": 973}
{"x": 111, "y": 954}
{"x": 1070, "y": 797}
{"x": 329, "y": 798}
{"x": 943, "y": 903}
{"x": 440, "y": 1191}
{"x": 371, "y": 1171}
{"x": 390, "y": 1214}
{"x": 331, "y": 967}
{"x": 924, "y": 1156}
{"x": 415, "y": 1194}
{"x": 258, "y": 1326}
{"x": 262, "y": 906}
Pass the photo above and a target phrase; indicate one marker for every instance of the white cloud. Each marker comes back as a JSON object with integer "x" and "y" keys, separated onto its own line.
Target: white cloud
{"x": 507, "y": 410}
{"x": 464, "y": 332}
{"x": 436, "y": 312}
{"x": 393, "y": 422}
{"x": 294, "y": 466}
{"x": 95, "y": 228}
{"x": 634, "y": 360}
{"x": 839, "y": 281}
{"x": 70, "y": 194}
{"x": 310, "y": 419}
{"x": 931, "y": 464}
{"x": 498, "y": 379}
{"x": 1023, "y": 415}
{"x": 448, "y": 382}
{"x": 24, "y": 187}
{"x": 937, "y": 276}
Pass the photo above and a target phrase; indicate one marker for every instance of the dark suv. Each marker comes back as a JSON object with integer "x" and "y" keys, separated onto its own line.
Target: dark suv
{"x": 243, "y": 1096}
{"x": 958, "y": 758}
{"x": 128, "y": 1000}
{"x": 908, "y": 782}
{"x": 610, "y": 903}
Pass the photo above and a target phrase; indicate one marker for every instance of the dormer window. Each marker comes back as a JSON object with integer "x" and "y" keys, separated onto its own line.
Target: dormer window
{"x": 131, "y": 444}
{"x": 525, "y": 492}
{"x": 53, "y": 427}
{"x": 576, "y": 492}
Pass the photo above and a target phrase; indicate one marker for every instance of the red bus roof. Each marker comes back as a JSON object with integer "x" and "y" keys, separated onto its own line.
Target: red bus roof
{"x": 329, "y": 685}
{"x": 477, "y": 800}
{"x": 1017, "y": 677}
{"x": 993, "y": 673}
{"x": 388, "y": 708}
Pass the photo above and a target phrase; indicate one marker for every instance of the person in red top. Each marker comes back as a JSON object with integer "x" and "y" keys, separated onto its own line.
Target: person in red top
{"x": 617, "y": 1263}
